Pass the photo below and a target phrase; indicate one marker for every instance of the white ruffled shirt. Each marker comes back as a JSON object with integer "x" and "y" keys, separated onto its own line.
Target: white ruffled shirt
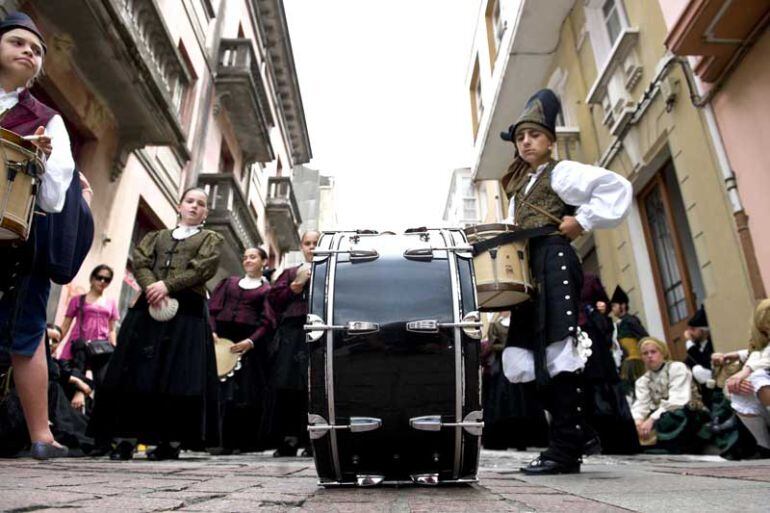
{"x": 602, "y": 197}
{"x": 59, "y": 165}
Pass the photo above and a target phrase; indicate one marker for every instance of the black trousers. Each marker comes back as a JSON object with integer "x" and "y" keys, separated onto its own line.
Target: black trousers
{"x": 564, "y": 398}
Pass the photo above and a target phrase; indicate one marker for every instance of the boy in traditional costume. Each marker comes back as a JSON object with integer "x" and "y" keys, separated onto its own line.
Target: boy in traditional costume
{"x": 24, "y": 279}
{"x": 629, "y": 332}
{"x": 668, "y": 414}
{"x": 560, "y": 201}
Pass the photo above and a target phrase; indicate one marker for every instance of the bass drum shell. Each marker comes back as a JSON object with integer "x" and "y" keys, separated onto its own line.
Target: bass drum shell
{"x": 502, "y": 274}
{"x": 393, "y": 375}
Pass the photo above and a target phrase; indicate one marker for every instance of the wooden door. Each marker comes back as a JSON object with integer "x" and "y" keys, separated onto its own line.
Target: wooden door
{"x": 672, "y": 279}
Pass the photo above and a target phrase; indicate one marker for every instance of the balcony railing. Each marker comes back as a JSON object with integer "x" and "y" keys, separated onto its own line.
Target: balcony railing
{"x": 242, "y": 94}
{"x": 283, "y": 212}
{"x": 230, "y": 216}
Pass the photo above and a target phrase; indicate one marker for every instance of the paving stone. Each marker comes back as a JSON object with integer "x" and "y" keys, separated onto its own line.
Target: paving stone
{"x": 554, "y": 503}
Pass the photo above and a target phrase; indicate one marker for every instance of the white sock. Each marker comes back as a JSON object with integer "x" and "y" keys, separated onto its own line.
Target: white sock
{"x": 758, "y": 428}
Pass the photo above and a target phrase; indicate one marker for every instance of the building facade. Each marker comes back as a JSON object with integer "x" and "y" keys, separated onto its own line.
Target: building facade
{"x": 463, "y": 205}
{"x": 159, "y": 96}
{"x": 627, "y": 107}
{"x": 728, "y": 44}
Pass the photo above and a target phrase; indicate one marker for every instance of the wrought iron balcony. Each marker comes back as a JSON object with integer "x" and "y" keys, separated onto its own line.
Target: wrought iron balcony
{"x": 230, "y": 216}
{"x": 242, "y": 94}
{"x": 283, "y": 212}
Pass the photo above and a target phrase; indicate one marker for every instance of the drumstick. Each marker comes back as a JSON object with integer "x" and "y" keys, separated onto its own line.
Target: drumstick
{"x": 542, "y": 211}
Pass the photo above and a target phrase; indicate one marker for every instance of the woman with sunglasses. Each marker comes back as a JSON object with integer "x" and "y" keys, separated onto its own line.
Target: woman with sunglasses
{"x": 92, "y": 318}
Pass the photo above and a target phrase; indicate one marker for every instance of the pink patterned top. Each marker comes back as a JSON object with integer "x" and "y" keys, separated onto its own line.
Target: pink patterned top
{"x": 96, "y": 322}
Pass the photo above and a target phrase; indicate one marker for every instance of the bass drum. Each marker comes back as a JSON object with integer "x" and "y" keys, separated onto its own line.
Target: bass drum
{"x": 394, "y": 359}
{"x": 502, "y": 273}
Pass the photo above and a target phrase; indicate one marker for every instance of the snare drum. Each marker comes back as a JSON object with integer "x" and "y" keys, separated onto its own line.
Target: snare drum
{"x": 502, "y": 274}
{"x": 21, "y": 164}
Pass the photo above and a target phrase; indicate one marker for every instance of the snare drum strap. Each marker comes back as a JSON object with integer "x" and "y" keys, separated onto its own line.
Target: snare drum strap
{"x": 508, "y": 237}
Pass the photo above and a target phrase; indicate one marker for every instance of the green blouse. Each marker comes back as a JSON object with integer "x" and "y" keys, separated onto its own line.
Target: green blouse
{"x": 185, "y": 264}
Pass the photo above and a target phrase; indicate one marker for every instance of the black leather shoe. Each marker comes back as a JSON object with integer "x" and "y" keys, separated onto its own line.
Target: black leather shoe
{"x": 592, "y": 447}
{"x": 163, "y": 452}
{"x": 543, "y": 467}
{"x": 122, "y": 452}
{"x": 728, "y": 425}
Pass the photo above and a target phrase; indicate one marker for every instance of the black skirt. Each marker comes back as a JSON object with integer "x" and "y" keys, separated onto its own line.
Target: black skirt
{"x": 289, "y": 364}
{"x": 161, "y": 384}
{"x": 513, "y": 414}
{"x": 242, "y": 395}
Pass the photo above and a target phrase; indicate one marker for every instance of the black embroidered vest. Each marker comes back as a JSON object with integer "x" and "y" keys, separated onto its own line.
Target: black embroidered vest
{"x": 540, "y": 195}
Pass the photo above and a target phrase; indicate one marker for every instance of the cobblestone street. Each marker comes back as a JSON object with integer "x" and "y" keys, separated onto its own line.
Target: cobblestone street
{"x": 199, "y": 482}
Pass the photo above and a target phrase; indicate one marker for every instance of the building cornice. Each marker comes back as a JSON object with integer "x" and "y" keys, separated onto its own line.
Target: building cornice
{"x": 271, "y": 17}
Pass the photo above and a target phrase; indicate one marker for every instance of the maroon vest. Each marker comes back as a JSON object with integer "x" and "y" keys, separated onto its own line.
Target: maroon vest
{"x": 27, "y": 115}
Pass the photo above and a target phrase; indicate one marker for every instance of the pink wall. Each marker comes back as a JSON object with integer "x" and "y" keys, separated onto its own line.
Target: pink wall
{"x": 743, "y": 113}
{"x": 671, "y": 10}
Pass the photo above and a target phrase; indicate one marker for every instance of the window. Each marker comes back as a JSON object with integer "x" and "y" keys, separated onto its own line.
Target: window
{"x": 477, "y": 104}
{"x": 611, "y": 20}
{"x": 672, "y": 253}
{"x": 184, "y": 95}
{"x": 495, "y": 29}
{"x": 605, "y": 20}
{"x": 467, "y": 187}
{"x": 226, "y": 163}
{"x": 469, "y": 208}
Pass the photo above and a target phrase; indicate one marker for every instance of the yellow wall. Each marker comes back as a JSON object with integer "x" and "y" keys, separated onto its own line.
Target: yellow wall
{"x": 684, "y": 131}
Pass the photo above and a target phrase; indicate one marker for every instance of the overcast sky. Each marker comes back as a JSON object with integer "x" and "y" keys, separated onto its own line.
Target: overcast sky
{"x": 383, "y": 86}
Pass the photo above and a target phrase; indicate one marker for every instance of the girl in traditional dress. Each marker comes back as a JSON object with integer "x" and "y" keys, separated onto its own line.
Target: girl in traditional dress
{"x": 23, "y": 281}
{"x": 241, "y": 313}
{"x": 607, "y": 410}
{"x": 161, "y": 386}
{"x": 749, "y": 389}
{"x": 287, "y": 421}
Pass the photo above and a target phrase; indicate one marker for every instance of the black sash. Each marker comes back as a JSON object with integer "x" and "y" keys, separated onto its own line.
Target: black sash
{"x": 508, "y": 237}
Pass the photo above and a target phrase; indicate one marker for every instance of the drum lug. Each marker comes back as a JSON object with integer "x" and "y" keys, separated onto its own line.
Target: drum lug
{"x": 471, "y": 325}
{"x": 472, "y": 423}
{"x": 425, "y": 479}
{"x": 318, "y": 426}
{"x": 365, "y": 480}
{"x": 356, "y": 255}
{"x": 315, "y": 328}
{"x": 426, "y": 254}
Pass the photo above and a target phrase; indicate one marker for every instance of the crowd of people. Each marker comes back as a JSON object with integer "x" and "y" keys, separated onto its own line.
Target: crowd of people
{"x": 91, "y": 388}
{"x": 637, "y": 398}
{"x": 154, "y": 381}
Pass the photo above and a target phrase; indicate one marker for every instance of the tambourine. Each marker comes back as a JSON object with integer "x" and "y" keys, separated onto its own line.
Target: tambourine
{"x": 227, "y": 361}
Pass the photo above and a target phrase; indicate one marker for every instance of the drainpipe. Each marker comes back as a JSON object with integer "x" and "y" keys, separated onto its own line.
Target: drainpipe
{"x": 702, "y": 102}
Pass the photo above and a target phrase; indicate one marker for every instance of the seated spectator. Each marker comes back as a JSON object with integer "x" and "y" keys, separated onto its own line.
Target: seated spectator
{"x": 699, "y": 351}
{"x": 749, "y": 389}
{"x": 667, "y": 413}
{"x": 67, "y": 422}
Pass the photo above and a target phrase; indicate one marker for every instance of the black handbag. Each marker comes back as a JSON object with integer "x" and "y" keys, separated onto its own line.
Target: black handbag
{"x": 93, "y": 349}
